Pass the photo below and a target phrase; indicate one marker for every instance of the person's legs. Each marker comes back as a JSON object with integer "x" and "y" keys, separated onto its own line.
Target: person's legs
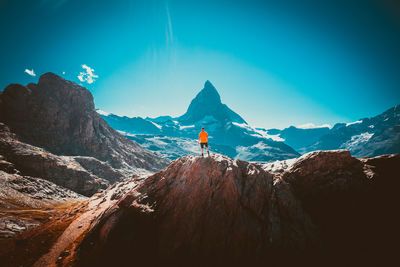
{"x": 202, "y": 148}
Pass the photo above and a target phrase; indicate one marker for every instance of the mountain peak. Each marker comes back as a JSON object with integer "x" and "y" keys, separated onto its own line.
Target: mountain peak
{"x": 208, "y": 103}
{"x": 208, "y": 84}
{"x": 209, "y": 94}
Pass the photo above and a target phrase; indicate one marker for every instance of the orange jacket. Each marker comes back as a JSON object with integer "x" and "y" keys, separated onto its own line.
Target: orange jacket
{"x": 203, "y": 136}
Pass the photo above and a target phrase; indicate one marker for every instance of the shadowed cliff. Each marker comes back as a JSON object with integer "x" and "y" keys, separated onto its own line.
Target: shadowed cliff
{"x": 219, "y": 211}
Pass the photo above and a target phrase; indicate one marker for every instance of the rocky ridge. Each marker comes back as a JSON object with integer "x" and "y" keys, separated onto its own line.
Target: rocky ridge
{"x": 59, "y": 116}
{"x": 76, "y": 174}
{"x": 26, "y": 202}
{"x": 218, "y": 211}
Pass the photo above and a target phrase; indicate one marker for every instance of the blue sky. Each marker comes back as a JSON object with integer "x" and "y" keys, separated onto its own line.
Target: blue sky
{"x": 276, "y": 64}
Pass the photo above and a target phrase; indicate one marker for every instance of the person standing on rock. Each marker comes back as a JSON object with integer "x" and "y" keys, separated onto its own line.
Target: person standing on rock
{"x": 203, "y": 140}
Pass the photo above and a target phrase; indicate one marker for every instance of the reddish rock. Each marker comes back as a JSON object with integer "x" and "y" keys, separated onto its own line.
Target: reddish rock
{"x": 352, "y": 203}
{"x": 26, "y": 202}
{"x": 324, "y": 208}
{"x": 203, "y": 210}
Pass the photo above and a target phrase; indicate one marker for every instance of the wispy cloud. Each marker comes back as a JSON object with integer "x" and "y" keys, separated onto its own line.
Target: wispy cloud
{"x": 169, "y": 32}
{"x": 30, "y": 72}
{"x": 87, "y": 75}
{"x": 312, "y": 125}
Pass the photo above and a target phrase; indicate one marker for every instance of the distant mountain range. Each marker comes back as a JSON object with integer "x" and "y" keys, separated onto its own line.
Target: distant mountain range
{"x": 370, "y": 137}
{"x": 231, "y": 135}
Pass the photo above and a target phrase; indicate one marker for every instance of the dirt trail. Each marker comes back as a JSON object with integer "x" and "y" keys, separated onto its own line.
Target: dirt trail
{"x": 95, "y": 206}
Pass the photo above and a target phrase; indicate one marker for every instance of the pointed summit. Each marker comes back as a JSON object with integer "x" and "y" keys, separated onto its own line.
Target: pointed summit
{"x": 208, "y": 94}
{"x": 209, "y": 85}
{"x": 208, "y": 103}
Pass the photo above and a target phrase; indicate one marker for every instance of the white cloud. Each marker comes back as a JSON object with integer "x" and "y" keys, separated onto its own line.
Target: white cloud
{"x": 87, "y": 75}
{"x": 63, "y": 73}
{"x": 30, "y": 72}
{"x": 312, "y": 125}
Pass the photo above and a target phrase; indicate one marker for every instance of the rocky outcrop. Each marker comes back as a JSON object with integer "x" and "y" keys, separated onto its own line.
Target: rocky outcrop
{"x": 198, "y": 209}
{"x": 62, "y": 234}
{"x": 83, "y": 175}
{"x": 218, "y": 211}
{"x": 351, "y": 201}
{"x": 59, "y": 115}
{"x": 26, "y": 202}
{"x": 322, "y": 209}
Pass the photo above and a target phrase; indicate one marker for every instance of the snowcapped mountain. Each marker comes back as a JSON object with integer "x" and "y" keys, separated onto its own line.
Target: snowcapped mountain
{"x": 229, "y": 133}
{"x": 132, "y": 125}
{"x": 298, "y": 138}
{"x": 207, "y": 104}
{"x": 366, "y": 137}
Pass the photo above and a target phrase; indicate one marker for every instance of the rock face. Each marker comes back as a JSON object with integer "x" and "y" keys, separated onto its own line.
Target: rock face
{"x": 218, "y": 211}
{"x": 26, "y": 202}
{"x": 351, "y": 201}
{"x": 201, "y": 208}
{"x": 59, "y": 115}
{"x": 52, "y": 241}
{"x": 84, "y": 175}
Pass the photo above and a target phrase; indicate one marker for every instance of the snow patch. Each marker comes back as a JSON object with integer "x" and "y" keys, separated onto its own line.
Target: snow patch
{"x": 357, "y": 140}
{"x": 101, "y": 112}
{"x": 259, "y": 132}
{"x": 356, "y": 122}
{"x": 243, "y": 125}
{"x": 264, "y": 133}
{"x": 219, "y": 157}
{"x": 279, "y": 165}
{"x": 125, "y": 133}
{"x": 312, "y": 126}
{"x": 248, "y": 152}
{"x": 185, "y": 127}
{"x": 155, "y": 124}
